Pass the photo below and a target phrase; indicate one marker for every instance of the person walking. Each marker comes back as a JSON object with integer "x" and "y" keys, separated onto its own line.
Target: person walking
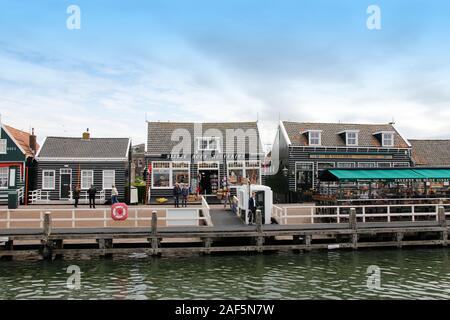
{"x": 176, "y": 195}
{"x": 92, "y": 192}
{"x": 114, "y": 195}
{"x": 185, "y": 194}
{"x": 252, "y": 208}
{"x": 76, "y": 196}
{"x": 227, "y": 197}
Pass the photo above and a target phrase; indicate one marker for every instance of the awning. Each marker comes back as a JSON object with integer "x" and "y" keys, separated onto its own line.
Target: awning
{"x": 384, "y": 174}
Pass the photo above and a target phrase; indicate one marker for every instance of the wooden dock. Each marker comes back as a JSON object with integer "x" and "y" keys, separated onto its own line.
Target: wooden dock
{"x": 228, "y": 234}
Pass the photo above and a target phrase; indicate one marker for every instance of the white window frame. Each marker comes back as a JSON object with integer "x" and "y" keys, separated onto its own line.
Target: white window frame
{"x": 208, "y": 139}
{"x": 384, "y": 138}
{"x": 375, "y": 165}
{"x": 319, "y": 132}
{"x": 171, "y": 170}
{"x": 113, "y": 179}
{"x": 3, "y": 146}
{"x": 347, "y": 162}
{"x": 356, "y": 139}
{"x": 7, "y": 177}
{"x": 244, "y": 165}
{"x": 92, "y": 173}
{"x": 43, "y": 180}
{"x": 297, "y": 164}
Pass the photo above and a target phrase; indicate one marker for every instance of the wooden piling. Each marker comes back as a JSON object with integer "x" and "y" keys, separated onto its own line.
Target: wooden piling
{"x": 154, "y": 231}
{"x": 353, "y": 226}
{"x": 260, "y": 237}
{"x": 443, "y": 223}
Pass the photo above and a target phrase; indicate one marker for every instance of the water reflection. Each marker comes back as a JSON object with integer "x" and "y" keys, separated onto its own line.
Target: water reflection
{"x": 415, "y": 274}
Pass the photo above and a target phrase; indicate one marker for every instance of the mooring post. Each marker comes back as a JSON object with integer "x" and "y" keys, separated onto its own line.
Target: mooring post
{"x": 399, "y": 238}
{"x": 353, "y": 225}
{"x": 207, "y": 243}
{"x": 154, "y": 239}
{"x": 443, "y": 223}
{"x": 259, "y": 238}
{"x": 47, "y": 230}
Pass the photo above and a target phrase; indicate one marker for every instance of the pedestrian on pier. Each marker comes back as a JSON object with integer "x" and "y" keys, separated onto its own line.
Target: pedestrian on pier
{"x": 252, "y": 208}
{"x": 76, "y": 196}
{"x": 185, "y": 194}
{"x": 91, "y": 193}
{"x": 176, "y": 195}
{"x": 114, "y": 195}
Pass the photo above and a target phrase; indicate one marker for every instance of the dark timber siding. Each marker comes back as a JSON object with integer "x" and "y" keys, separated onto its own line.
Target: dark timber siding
{"x": 302, "y": 154}
{"x": 97, "y": 167}
{"x": 19, "y": 184}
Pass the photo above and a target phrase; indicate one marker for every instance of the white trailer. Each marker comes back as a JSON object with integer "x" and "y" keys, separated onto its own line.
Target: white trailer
{"x": 264, "y": 201}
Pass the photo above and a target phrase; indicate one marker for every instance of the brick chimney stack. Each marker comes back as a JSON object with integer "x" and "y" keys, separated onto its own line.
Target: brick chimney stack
{"x": 32, "y": 141}
{"x": 86, "y": 135}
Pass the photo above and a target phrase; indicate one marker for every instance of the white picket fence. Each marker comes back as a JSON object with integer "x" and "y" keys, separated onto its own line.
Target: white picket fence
{"x": 40, "y": 196}
{"x": 364, "y": 213}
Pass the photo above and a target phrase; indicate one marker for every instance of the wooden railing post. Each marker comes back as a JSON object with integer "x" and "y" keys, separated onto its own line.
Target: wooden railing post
{"x": 47, "y": 224}
{"x": 259, "y": 238}
{"x": 352, "y": 218}
{"x": 154, "y": 239}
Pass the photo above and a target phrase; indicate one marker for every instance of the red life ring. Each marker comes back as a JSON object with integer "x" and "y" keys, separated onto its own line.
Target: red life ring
{"x": 119, "y": 211}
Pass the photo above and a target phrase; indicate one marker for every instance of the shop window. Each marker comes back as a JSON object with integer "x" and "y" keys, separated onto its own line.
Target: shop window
{"x": 167, "y": 174}
{"x": 4, "y": 178}
{"x": 346, "y": 165}
{"x": 240, "y": 172}
{"x": 48, "y": 179}
{"x": 367, "y": 165}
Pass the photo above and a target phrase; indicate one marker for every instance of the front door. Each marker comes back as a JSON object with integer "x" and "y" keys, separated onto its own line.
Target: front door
{"x": 65, "y": 185}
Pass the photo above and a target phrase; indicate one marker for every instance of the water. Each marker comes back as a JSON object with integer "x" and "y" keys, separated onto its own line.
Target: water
{"x": 405, "y": 274}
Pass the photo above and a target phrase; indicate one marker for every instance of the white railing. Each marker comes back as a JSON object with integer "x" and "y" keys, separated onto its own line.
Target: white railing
{"x": 100, "y": 197}
{"x": 206, "y": 212}
{"x": 429, "y": 200}
{"x": 20, "y": 194}
{"x": 12, "y": 216}
{"x": 39, "y": 196}
{"x": 364, "y": 213}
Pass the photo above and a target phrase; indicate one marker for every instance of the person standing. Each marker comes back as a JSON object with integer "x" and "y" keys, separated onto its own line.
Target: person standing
{"x": 185, "y": 194}
{"x": 76, "y": 196}
{"x": 176, "y": 195}
{"x": 114, "y": 195}
{"x": 252, "y": 208}
{"x": 91, "y": 193}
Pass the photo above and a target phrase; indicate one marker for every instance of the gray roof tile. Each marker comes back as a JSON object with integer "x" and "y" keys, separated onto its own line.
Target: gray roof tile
{"x": 431, "y": 153}
{"x": 160, "y": 134}
{"x": 331, "y": 137}
{"x": 64, "y": 147}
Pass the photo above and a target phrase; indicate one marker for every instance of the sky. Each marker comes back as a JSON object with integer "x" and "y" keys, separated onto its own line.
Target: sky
{"x": 223, "y": 60}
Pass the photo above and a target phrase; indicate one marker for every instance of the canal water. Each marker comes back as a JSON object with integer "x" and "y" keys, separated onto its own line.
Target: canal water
{"x": 403, "y": 274}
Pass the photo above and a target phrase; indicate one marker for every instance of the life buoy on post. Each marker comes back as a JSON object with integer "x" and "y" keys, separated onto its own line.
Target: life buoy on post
{"x": 119, "y": 211}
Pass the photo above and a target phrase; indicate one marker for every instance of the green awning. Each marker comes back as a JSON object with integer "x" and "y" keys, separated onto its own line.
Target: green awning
{"x": 385, "y": 174}
{"x": 434, "y": 173}
{"x": 375, "y": 174}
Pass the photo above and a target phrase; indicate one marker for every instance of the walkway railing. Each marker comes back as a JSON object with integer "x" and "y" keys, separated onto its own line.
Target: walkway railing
{"x": 20, "y": 194}
{"x": 364, "y": 213}
{"x": 95, "y": 218}
{"x": 100, "y": 197}
{"x": 39, "y": 196}
{"x": 206, "y": 212}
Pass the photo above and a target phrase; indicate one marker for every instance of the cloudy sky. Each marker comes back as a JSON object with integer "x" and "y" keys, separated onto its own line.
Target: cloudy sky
{"x": 223, "y": 60}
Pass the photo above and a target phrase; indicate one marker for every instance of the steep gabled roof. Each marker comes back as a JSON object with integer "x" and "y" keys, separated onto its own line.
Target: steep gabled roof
{"x": 332, "y": 134}
{"x": 22, "y": 138}
{"x": 160, "y": 134}
{"x": 77, "y": 148}
{"x": 431, "y": 153}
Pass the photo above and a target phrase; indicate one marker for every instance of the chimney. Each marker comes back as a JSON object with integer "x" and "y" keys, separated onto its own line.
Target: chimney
{"x": 32, "y": 141}
{"x": 86, "y": 135}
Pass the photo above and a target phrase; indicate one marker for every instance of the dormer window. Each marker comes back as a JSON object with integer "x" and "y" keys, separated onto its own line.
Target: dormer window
{"x": 315, "y": 137}
{"x": 351, "y": 137}
{"x": 388, "y": 139}
{"x": 208, "y": 144}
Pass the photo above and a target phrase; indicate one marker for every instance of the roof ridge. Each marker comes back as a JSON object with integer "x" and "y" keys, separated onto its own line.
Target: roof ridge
{"x": 340, "y": 123}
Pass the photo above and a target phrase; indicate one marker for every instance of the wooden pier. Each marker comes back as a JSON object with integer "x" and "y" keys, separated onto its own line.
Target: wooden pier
{"x": 228, "y": 234}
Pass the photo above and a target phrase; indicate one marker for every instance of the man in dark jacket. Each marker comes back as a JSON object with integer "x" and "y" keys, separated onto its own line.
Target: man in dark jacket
{"x": 252, "y": 208}
{"x": 185, "y": 194}
{"x": 76, "y": 195}
{"x": 92, "y": 192}
{"x": 176, "y": 195}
